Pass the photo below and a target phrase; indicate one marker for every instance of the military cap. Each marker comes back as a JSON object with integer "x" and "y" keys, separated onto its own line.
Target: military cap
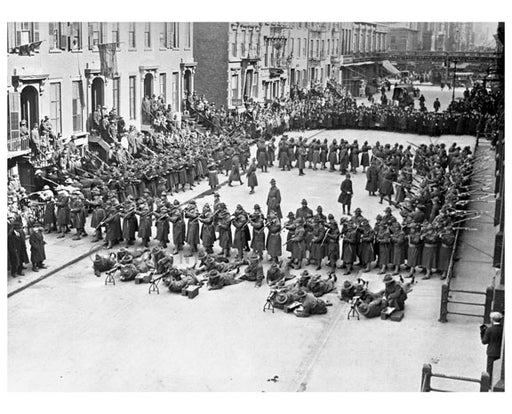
{"x": 388, "y": 279}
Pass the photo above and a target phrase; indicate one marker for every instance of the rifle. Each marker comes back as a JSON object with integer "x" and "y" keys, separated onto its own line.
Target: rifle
{"x": 325, "y": 236}
{"x": 98, "y": 158}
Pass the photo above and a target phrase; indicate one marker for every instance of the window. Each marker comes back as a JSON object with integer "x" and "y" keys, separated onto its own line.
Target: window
{"x": 298, "y": 47}
{"x": 244, "y": 40}
{"x": 173, "y": 35}
{"x": 55, "y": 107}
{"x": 304, "y": 46}
{"x": 116, "y": 94}
{"x": 163, "y": 86}
{"x": 115, "y": 33}
{"x": 234, "y": 87}
{"x": 104, "y": 32}
{"x": 147, "y": 35}
{"x": 233, "y": 49}
{"x": 174, "y": 89}
{"x": 26, "y": 32}
{"x": 163, "y": 36}
{"x": 131, "y": 36}
{"x": 55, "y": 38}
{"x": 328, "y": 47}
{"x": 290, "y": 49}
{"x": 14, "y": 117}
{"x": 311, "y": 48}
{"x": 132, "y": 96}
{"x": 188, "y": 35}
{"x": 76, "y": 103}
{"x": 95, "y": 35}
{"x": 255, "y": 85}
{"x": 75, "y": 33}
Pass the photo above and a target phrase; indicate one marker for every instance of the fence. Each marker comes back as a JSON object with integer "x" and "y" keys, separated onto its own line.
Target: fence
{"x": 18, "y": 144}
{"x": 427, "y": 375}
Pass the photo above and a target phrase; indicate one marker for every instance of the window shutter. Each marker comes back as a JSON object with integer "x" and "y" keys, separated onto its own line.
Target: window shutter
{"x": 103, "y": 28}
{"x": 14, "y": 115}
{"x": 35, "y": 32}
{"x": 89, "y": 35}
{"x": 51, "y": 30}
{"x": 63, "y": 32}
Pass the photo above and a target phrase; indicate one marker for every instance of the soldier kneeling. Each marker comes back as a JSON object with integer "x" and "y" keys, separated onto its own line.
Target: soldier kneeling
{"x": 103, "y": 263}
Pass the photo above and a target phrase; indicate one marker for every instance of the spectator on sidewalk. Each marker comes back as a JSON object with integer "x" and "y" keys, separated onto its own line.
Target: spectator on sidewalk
{"x": 37, "y": 250}
{"x": 491, "y": 335}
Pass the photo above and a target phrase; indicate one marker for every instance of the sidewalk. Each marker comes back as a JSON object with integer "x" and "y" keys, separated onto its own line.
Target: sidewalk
{"x": 473, "y": 271}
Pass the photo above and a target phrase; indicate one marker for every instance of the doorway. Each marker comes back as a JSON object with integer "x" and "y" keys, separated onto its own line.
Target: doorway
{"x": 97, "y": 93}
{"x": 148, "y": 85}
{"x": 30, "y": 106}
{"x": 187, "y": 80}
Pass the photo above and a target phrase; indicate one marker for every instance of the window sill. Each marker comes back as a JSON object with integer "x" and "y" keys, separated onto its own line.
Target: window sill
{"x": 55, "y": 51}
{"x": 148, "y": 49}
{"x": 132, "y": 49}
{"x": 77, "y": 51}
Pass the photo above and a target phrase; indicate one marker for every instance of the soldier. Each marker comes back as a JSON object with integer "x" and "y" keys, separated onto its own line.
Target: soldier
{"x": 145, "y": 223}
{"x": 50, "y": 220}
{"x": 413, "y": 249}
{"x": 261, "y": 155}
{"x": 254, "y": 271}
{"x": 208, "y": 228}
{"x": 447, "y": 238}
{"x": 257, "y": 221}
{"x": 331, "y": 240}
{"x": 218, "y": 280}
{"x": 252, "y": 180}
{"x": 274, "y": 199}
{"x": 130, "y": 223}
{"x": 224, "y": 224}
{"x": 240, "y": 222}
{"x": 393, "y": 293}
{"x": 192, "y": 214}
{"x": 398, "y": 246}
{"x": 301, "y": 160}
{"x": 112, "y": 224}
{"x": 298, "y": 244}
{"x": 320, "y": 215}
{"x": 345, "y": 197}
{"x": 275, "y": 275}
{"x": 383, "y": 238}
{"x": 372, "y": 179}
{"x": 304, "y": 212}
{"x": 317, "y": 243}
{"x": 429, "y": 237}
{"x": 350, "y": 243}
{"x": 178, "y": 227}
{"x": 310, "y": 305}
{"x": 98, "y": 214}
{"x": 290, "y": 226}
{"x": 366, "y": 252}
{"x": 234, "y": 175}
{"x": 162, "y": 227}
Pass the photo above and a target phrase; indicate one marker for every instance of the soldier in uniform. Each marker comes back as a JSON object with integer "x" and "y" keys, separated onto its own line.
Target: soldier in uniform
{"x": 275, "y": 275}
{"x": 162, "y": 227}
{"x": 130, "y": 223}
{"x": 224, "y": 224}
{"x": 429, "y": 253}
{"x": 192, "y": 214}
{"x": 252, "y": 180}
{"x": 447, "y": 238}
{"x": 398, "y": 246}
{"x": 98, "y": 214}
{"x": 145, "y": 223}
{"x": 332, "y": 242}
{"x": 372, "y": 179}
{"x": 207, "y": 234}
{"x": 77, "y": 212}
{"x": 310, "y": 305}
{"x": 304, "y": 212}
{"x": 317, "y": 243}
{"x": 274, "y": 199}
{"x": 240, "y": 222}
{"x": 393, "y": 293}
{"x": 218, "y": 280}
{"x": 345, "y": 197}
{"x": 350, "y": 242}
{"x": 298, "y": 243}
{"x": 37, "y": 252}
{"x": 257, "y": 221}
{"x": 366, "y": 252}
{"x": 254, "y": 271}
{"x": 383, "y": 238}
{"x": 178, "y": 227}
{"x": 50, "y": 220}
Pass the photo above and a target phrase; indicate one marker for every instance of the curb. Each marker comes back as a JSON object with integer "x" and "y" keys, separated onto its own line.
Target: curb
{"x": 53, "y": 271}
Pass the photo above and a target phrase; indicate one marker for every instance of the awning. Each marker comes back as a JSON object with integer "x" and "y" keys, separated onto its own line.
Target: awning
{"x": 357, "y": 64}
{"x": 390, "y": 68}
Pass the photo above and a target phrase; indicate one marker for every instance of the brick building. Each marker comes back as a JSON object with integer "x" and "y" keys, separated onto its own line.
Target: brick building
{"x": 61, "y": 77}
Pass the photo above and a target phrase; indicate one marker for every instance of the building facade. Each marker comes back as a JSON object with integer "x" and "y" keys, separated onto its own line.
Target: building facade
{"x": 262, "y": 61}
{"x": 61, "y": 77}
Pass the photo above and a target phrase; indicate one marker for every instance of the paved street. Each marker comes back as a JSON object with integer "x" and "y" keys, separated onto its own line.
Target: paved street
{"x": 73, "y": 333}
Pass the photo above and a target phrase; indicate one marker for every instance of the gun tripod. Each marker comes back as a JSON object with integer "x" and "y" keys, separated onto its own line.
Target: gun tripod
{"x": 268, "y": 305}
{"x": 110, "y": 278}
{"x": 353, "y": 312}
